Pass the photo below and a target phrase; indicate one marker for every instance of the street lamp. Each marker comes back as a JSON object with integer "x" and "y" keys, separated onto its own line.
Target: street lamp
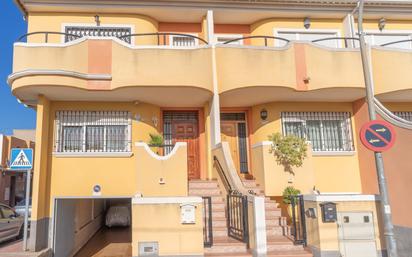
{"x": 383, "y": 189}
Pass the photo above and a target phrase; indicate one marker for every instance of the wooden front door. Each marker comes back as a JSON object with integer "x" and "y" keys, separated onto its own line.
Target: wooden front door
{"x": 183, "y": 127}
{"x": 234, "y": 131}
{"x": 229, "y": 134}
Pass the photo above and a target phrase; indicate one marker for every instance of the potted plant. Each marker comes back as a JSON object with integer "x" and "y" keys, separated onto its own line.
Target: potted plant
{"x": 287, "y": 195}
{"x": 155, "y": 142}
{"x": 290, "y": 151}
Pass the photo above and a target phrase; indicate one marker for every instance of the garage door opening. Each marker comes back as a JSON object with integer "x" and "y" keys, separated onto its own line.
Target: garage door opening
{"x": 92, "y": 227}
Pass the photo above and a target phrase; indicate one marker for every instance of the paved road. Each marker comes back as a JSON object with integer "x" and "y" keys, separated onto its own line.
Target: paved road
{"x": 14, "y": 246}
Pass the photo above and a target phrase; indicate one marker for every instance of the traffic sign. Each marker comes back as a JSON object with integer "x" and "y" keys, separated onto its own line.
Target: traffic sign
{"x": 21, "y": 159}
{"x": 377, "y": 135}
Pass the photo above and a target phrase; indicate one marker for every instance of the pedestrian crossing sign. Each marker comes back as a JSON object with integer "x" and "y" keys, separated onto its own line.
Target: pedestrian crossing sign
{"x": 21, "y": 159}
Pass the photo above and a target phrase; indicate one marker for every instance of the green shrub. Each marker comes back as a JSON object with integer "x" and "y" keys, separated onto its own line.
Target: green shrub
{"x": 156, "y": 140}
{"x": 288, "y": 193}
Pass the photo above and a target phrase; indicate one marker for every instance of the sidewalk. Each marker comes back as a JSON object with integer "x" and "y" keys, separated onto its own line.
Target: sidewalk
{"x": 14, "y": 249}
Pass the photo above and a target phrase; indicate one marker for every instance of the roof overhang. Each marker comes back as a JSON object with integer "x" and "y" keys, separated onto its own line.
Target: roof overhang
{"x": 237, "y": 11}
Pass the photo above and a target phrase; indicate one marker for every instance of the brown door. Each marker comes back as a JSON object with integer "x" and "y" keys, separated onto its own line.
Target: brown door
{"x": 183, "y": 127}
{"x": 229, "y": 134}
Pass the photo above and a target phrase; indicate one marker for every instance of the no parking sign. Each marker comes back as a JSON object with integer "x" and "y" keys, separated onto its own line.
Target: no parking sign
{"x": 377, "y": 135}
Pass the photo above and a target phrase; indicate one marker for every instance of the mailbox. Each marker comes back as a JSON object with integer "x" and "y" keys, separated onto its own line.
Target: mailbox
{"x": 329, "y": 213}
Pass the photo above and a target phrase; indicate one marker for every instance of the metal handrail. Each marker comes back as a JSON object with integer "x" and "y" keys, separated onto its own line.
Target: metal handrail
{"x": 336, "y": 38}
{"x": 46, "y": 35}
{"x": 222, "y": 175}
{"x": 163, "y": 34}
{"x": 397, "y": 42}
{"x": 251, "y": 37}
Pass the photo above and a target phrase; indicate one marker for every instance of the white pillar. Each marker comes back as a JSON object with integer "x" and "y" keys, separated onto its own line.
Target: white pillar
{"x": 210, "y": 27}
{"x": 258, "y": 228}
{"x": 349, "y": 29}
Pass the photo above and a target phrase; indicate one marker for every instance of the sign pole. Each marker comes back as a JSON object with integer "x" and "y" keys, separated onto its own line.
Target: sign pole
{"x": 383, "y": 189}
{"x": 26, "y": 211}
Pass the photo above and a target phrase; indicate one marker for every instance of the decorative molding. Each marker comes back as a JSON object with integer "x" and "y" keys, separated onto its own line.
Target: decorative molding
{"x": 47, "y": 72}
{"x": 158, "y": 157}
{"x": 167, "y": 200}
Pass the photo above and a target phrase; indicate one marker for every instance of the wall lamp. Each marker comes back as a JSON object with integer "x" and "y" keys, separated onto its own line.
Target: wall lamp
{"x": 263, "y": 114}
{"x": 381, "y": 23}
{"x": 306, "y": 23}
{"x": 97, "y": 20}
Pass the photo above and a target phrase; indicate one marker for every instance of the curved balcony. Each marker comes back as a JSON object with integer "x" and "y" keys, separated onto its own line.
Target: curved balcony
{"x": 392, "y": 73}
{"x": 109, "y": 69}
{"x": 299, "y": 71}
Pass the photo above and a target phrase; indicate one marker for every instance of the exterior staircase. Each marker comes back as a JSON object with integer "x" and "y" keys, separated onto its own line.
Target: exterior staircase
{"x": 278, "y": 242}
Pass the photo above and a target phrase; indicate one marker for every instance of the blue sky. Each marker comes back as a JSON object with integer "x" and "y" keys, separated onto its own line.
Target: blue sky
{"x": 12, "y": 114}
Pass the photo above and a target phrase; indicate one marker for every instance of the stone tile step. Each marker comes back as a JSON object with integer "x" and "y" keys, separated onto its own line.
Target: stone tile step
{"x": 203, "y": 184}
{"x": 280, "y": 243}
{"x": 218, "y": 206}
{"x": 301, "y": 253}
{"x": 276, "y": 231}
{"x": 273, "y": 213}
{"x": 246, "y": 254}
{"x": 218, "y": 214}
{"x": 275, "y": 221}
{"x": 205, "y": 192}
{"x": 226, "y": 245}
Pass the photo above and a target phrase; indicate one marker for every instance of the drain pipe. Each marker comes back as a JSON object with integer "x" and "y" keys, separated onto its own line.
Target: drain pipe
{"x": 383, "y": 189}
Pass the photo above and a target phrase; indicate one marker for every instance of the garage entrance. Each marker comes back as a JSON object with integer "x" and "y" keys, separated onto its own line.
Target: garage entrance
{"x": 92, "y": 227}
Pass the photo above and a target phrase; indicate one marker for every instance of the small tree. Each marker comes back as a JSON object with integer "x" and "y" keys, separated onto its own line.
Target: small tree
{"x": 290, "y": 151}
{"x": 288, "y": 193}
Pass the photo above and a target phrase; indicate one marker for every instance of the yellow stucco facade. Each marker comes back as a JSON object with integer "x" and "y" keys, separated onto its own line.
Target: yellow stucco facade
{"x": 156, "y": 73}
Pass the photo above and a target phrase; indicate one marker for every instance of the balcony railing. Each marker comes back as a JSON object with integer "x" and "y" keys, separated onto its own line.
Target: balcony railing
{"x": 162, "y": 38}
{"x": 264, "y": 38}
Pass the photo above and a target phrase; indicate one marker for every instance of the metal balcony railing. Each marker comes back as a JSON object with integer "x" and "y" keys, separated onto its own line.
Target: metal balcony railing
{"x": 163, "y": 38}
{"x": 266, "y": 39}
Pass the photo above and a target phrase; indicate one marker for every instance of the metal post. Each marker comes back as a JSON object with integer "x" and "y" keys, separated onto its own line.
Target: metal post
{"x": 26, "y": 211}
{"x": 385, "y": 208}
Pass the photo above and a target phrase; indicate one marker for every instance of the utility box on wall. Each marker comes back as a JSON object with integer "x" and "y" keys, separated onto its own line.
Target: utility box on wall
{"x": 346, "y": 225}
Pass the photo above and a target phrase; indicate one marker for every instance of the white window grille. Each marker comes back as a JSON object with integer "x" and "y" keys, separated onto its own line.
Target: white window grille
{"x": 404, "y": 115}
{"x": 176, "y": 40}
{"x": 380, "y": 38}
{"x": 97, "y": 31}
{"x": 327, "y": 131}
{"x": 309, "y": 35}
{"x": 93, "y": 131}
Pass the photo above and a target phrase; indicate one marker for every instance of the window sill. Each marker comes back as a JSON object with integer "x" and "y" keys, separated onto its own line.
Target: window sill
{"x": 331, "y": 153}
{"x": 89, "y": 154}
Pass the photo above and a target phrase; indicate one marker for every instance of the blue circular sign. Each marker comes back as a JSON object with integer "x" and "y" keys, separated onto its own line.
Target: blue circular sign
{"x": 377, "y": 136}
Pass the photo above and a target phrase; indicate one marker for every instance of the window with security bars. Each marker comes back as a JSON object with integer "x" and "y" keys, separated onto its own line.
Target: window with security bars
{"x": 93, "y": 131}
{"x": 182, "y": 41}
{"x": 404, "y": 115}
{"x": 97, "y": 31}
{"x": 327, "y": 131}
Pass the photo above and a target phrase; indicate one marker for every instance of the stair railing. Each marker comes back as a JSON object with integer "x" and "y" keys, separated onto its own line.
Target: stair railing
{"x": 222, "y": 174}
{"x": 298, "y": 220}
